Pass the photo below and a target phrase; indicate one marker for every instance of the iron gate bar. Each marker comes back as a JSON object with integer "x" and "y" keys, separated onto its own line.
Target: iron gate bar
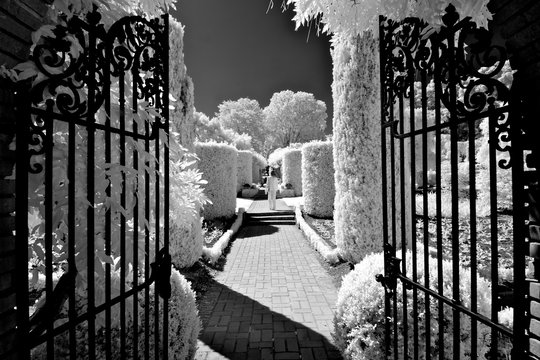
{"x": 48, "y": 234}
{"x": 483, "y": 319}
{"x": 91, "y": 83}
{"x": 412, "y": 189}
{"x": 452, "y": 81}
{"x": 71, "y": 234}
{"x": 403, "y": 230}
{"x": 438, "y": 204}
{"x": 472, "y": 218}
{"x": 122, "y": 160}
{"x": 135, "y": 330}
{"x": 166, "y": 181}
{"x": 21, "y": 207}
{"x": 518, "y": 221}
{"x": 493, "y": 217}
{"x": 425, "y": 207}
{"x": 147, "y": 245}
{"x": 108, "y": 215}
{"x": 97, "y": 126}
{"x": 500, "y": 110}
{"x": 384, "y": 189}
{"x": 84, "y": 317}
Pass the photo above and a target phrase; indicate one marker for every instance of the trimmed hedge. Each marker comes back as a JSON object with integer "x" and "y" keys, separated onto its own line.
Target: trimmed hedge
{"x": 181, "y": 88}
{"x": 244, "y": 169}
{"x": 218, "y": 162}
{"x": 359, "y": 322}
{"x": 258, "y": 163}
{"x": 357, "y": 147}
{"x": 318, "y": 178}
{"x": 292, "y": 170}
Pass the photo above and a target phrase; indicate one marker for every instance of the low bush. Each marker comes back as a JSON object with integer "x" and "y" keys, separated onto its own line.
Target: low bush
{"x": 244, "y": 173}
{"x": 359, "y": 323}
{"x": 218, "y": 163}
{"x": 318, "y": 178}
{"x": 184, "y": 322}
{"x": 292, "y": 169}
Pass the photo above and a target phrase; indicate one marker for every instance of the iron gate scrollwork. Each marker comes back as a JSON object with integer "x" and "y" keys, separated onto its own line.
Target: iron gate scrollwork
{"x": 93, "y": 162}
{"x": 453, "y": 234}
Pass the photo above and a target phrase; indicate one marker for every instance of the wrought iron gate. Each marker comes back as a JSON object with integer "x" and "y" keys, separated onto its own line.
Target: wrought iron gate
{"x": 452, "y": 167}
{"x": 92, "y": 192}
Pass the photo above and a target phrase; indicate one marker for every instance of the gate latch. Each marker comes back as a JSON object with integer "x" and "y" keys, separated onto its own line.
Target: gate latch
{"x": 161, "y": 274}
{"x": 393, "y": 269}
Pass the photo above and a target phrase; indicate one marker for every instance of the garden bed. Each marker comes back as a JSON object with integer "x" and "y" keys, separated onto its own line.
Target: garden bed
{"x": 483, "y": 243}
{"x": 215, "y": 228}
{"x": 323, "y": 227}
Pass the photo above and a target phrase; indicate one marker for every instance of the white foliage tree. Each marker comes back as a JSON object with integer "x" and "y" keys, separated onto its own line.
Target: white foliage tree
{"x": 294, "y": 117}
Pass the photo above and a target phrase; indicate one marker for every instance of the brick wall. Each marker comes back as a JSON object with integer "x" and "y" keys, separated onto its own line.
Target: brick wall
{"x": 18, "y": 18}
{"x": 518, "y": 23}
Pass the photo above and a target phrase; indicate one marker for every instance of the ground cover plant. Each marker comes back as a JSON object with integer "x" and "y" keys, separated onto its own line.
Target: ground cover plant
{"x": 213, "y": 229}
{"x": 325, "y": 228}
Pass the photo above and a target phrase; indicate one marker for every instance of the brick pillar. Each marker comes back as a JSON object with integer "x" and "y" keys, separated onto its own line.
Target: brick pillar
{"x": 7, "y": 222}
{"x": 18, "y": 19}
{"x": 517, "y": 22}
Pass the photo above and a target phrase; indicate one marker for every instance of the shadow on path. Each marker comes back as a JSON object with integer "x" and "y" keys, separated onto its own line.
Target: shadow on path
{"x": 252, "y": 230}
{"x": 238, "y": 327}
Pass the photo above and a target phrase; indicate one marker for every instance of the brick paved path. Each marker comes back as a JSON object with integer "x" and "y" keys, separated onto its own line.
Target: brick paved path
{"x": 272, "y": 300}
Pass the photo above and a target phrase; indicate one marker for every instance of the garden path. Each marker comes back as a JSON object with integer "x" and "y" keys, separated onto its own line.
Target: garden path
{"x": 273, "y": 300}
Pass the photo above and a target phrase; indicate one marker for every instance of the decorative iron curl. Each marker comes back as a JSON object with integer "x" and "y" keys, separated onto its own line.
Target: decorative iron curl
{"x": 134, "y": 44}
{"x": 502, "y": 134}
{"x": 37, "y": 142}
{"x": 462, "y": 56}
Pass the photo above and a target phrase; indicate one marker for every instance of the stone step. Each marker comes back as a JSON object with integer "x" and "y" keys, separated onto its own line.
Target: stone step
{"x": 271, "y": 218}
{"x": 269, "y": 222}
{"x": 270, "y": 214}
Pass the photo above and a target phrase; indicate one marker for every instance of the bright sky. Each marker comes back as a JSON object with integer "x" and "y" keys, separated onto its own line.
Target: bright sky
{"x": 234, "y": 49}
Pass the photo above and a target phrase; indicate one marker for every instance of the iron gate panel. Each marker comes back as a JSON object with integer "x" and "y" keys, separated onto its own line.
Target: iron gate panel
{"x": 445, "y": 87}
{"x": 93, "y": 162}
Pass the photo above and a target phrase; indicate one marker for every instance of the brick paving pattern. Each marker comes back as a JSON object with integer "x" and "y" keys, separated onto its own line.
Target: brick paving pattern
{"x": 272, "y": 300}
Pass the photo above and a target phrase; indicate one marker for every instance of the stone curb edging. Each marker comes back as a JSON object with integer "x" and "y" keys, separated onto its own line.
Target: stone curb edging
{"x": 329, "y": 254}
{"x": 213, "y": 253}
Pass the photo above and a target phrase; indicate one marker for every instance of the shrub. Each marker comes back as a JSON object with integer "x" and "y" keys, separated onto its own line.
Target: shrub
{"x": 186, "y": 198}
{"x": 244, "y": 169}
{"x": 292, "y": 169}
{"x": 184, "y": 322}
{"x": 258, "y": 164}
{"x": 318, "y": 178}
{"x": 186, "y": 243}
{"x": 357, "y": 147}
{"x": 359, "y": 322}
{"x": 218, "y": 163}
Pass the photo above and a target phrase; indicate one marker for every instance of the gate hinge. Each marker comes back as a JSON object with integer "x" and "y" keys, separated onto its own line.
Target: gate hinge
{"x": 161, "y": 274}
{"x": 393, "y": 269}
